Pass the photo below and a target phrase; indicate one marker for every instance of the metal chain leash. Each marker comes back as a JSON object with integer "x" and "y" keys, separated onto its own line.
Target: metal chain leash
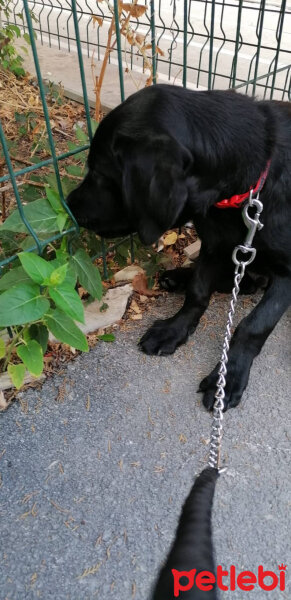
{"x": 240, "y": 265}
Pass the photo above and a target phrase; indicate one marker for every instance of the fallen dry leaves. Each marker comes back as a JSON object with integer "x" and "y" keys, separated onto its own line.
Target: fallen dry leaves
{"x": 140, "y": 285}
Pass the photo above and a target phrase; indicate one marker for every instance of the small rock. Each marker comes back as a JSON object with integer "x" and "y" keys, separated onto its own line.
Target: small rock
{"x": 128, "y": 273}
{"x": 193, "y": 250}
{"x": 116, "y": 299}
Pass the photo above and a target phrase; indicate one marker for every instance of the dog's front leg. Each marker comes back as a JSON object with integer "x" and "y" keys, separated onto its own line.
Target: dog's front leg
{"x": 248, "y": 341}
{"x": 166, "y": 335}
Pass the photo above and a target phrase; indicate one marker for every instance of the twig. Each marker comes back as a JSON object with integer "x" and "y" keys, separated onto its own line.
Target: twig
{"x": 99, "y": 80}
{"x": 62, "y": 132}
{"x": 22, "y": 160}
{"x": 8, "y": 188}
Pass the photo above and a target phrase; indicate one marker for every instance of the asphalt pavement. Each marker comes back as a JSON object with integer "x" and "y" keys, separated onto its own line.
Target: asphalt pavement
{"x": 96, "y": 464}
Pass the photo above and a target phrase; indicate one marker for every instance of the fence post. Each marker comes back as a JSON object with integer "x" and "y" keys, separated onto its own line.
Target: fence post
{"x": 81, "y": 67}
{"x": 118, "y": 40}
{"x": 234, "y": 62}
{"x": 211, "y": 42}
{"x": 153, "y": 41}
{"x": 185, "y": 43}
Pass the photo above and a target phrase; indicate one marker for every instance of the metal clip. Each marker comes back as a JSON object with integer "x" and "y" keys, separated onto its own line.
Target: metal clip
{"x": 246, "y": 250}
{"x": 252, "y": 223}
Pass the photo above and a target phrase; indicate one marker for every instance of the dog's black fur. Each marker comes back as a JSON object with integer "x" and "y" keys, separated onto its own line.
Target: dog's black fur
{"x": 166, "y": 156}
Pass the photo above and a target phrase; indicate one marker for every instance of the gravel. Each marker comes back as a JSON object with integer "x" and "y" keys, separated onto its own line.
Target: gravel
{"x": 95, "y": 466}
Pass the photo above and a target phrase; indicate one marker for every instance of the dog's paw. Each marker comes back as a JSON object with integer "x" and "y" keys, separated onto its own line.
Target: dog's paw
{"x": 236, "y": 382}
{"x": 163, "y": 338}
{"x": 175, "y": 280}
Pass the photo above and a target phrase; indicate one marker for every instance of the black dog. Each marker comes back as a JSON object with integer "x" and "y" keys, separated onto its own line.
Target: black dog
{"x": 168, "y": 155}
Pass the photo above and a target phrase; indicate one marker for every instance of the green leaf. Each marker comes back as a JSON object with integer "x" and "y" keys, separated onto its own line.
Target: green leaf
{"x": 94, "y": 125}
{"x": 2, "y": 348}
{"x": 14, "y": 277}
{"x": 16, "y": 30}
{"x": 61, "y": 220}
{"x": 39, "y": 332}
{"x": 32, "y": 356}
{"x": 36, "y": 267}
{"x": 54, "y": 199}
{"x": 104, "y": 307}
{"x": 67, "y": 184}
{"x": 72, "y": 146}
{"x": 82, "y": 155}
{"x": 40, "y": 215}
{"x": 68, "y": 300}
{"x": 107, "y": 337}
{"x": 30, "y": 193}
{"x": 9, "y": 242}
{"x": 123, "y": 250}
{"x": 88, "y": 275}
{"x": 75, "y": 170}
{"x": 81, "y": 135}
{"x": 16, "y": 373}
{"x": 65, "y": 330}
{"x": 70, "y": 277}
{"x": 58, "y": 275}
{"x": 22, "y": 304}
{"x": 27, "y": 38}
{"x": 29, "y": 242}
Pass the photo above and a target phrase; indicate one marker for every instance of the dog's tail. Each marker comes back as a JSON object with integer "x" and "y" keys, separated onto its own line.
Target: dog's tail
{"x": 192, "y": 548}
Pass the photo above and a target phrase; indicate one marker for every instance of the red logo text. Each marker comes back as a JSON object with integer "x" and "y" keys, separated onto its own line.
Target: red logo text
{"x": 246, "y": 580}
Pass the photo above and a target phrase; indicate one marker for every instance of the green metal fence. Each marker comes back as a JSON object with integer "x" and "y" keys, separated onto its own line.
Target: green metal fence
{"x": 202, "y": 43}
{"x": 206, "y": 43}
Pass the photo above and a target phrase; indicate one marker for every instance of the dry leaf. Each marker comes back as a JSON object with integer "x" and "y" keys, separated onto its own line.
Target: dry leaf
{"x": 140, "y": 285}
{"x": 159, "y": 51}
{"x": 149, "y": 80}
{"x": 99, "y": 20}
{"x": 136, "y": 317}
{"x": 82, "y": 292}
{"x": 170, "y": 239}
{"x": 136, "y": 10}
{"x": 134, "y": 306}
{"x": 3, "y": 402}
{"x": 139, "y": 38}
{"x": 130, "y": 38}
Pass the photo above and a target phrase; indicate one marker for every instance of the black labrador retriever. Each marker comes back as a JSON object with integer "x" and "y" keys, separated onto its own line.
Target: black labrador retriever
{"x": 169, "y": 155}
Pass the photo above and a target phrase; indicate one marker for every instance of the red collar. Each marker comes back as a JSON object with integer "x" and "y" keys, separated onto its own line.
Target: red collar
{"x": 236, "y": 200}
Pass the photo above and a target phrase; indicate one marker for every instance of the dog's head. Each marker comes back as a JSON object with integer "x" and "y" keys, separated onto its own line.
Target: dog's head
{"x": 134, "y": 184}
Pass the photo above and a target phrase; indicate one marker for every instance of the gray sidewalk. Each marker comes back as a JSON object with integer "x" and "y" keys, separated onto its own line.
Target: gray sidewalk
{"x": 96, "y": 465}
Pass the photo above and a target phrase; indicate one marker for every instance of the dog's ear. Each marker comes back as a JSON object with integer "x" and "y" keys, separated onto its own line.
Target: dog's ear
{"x": 154, "y": 172}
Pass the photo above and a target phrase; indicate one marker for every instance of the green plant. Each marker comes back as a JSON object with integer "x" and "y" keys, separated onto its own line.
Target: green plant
{"x": 10, "y": 59}
{"x": 39, "y": 297}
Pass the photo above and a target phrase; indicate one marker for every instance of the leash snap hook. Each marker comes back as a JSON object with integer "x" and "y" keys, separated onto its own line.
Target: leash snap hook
{"x": 252, "y": 223}
{"x": 245, "y": 249}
